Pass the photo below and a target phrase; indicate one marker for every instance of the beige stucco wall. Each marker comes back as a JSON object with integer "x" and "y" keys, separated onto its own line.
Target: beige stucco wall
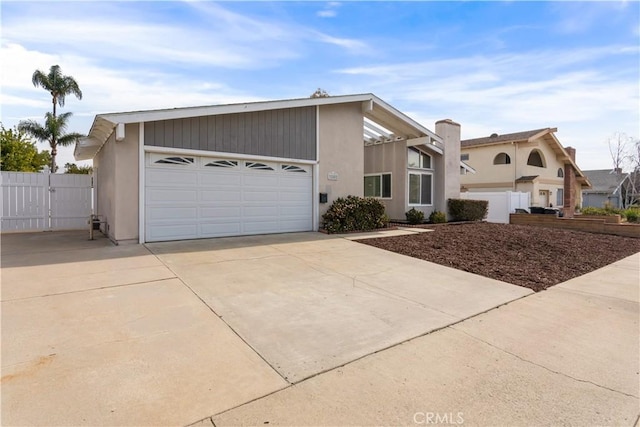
{"x": 127, "y": 154}
{"x": 104, "y": 170}
{"x": 390, "y": 158}
{"x": 490, "y": 177}
{"x": 117, "y": 186}
{"x": 340, "y": 151}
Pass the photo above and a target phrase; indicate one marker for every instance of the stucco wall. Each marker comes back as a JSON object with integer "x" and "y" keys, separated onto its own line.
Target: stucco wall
{"x": 341, "y": 152}
{"x": 104, "y": 167}
{"x": 390, "y": 158}
{"x": 127, "y": 153}
{"x": 490, "y": 177}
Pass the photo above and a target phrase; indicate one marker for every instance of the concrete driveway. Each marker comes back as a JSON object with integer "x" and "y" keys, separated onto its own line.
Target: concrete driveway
{"x": 174, "y": 332}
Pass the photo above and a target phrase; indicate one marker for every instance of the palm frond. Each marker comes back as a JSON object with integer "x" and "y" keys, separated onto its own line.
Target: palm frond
{"x": 69, "y": 139}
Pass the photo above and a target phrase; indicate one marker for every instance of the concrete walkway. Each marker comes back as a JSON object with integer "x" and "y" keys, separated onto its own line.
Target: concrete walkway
{"x": 303, "y": 329}
{"x": 565, "y": 356}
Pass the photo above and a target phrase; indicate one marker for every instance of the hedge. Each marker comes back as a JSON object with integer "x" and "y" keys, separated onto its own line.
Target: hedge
{"x": 467, "y": 210}
{"x": 354, "y": 213}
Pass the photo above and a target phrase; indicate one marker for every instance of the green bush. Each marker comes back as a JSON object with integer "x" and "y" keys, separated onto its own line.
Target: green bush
{"x": 590, "y": 210}
{"x": 437, "y": 217}
{"x": 354, "y": 214}
{"x": 467, "y": 210}
{"x": 632, "y": 214}
{"x": 414, "y": 216}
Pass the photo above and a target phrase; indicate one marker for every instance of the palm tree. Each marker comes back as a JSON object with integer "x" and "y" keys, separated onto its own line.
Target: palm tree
{"x": 57, "y": 84}
{"x": 52, "y": 132}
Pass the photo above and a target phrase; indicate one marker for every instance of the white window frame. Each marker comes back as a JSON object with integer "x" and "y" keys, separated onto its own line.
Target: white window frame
{"x": 560, "y": 191}
{"x": 419, "y": 173}
{"x": 380, "y": 174}
{"x": 421, "y": 153}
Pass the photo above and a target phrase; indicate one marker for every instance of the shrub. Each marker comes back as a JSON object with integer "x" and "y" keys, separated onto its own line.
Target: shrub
{"x": 467, "y": 210}
{"x": 632, "y": 215}
{"x": 414, "y": 216}
{"x": 437, "y": 217}
{"x": 354, "y": 214}
{"x": 590, "y": 210}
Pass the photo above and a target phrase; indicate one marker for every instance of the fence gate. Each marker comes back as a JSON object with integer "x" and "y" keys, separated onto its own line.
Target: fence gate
{"x": 42, "y": 201}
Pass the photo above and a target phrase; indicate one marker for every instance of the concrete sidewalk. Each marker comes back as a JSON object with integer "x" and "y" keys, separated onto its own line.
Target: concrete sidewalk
{"x": 565, "y": 356}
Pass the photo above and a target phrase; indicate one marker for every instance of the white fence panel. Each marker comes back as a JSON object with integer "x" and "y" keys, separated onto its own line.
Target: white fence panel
{"x": 501, "y": 203}
{"x": 25, "y": 201}
{"x": 70, "y": 201}
{"x": 40, "y": 201}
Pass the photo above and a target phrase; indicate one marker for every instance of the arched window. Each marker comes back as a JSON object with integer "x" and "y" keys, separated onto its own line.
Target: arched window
{"x": 560, "y": 173}
{"x": 502, "y": 159}
{"x": 536, "y": 159}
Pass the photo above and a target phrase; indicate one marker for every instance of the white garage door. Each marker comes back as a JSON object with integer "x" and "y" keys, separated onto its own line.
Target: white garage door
{"x": 190, "y": 197}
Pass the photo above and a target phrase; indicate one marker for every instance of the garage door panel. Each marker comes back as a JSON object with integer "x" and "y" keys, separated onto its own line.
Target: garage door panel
{"x": 158, "y": 213}
{"x": 220, "y": 179}
{"x": 219, "y": 230}
{"x": 172, "y": 232}
{"x": 168, "y": 177}
{"x": 170, "y": 195}
{"x": 220, "y": 212}
{"x": 198, "y": 201}
{"x": 220, "y": 196}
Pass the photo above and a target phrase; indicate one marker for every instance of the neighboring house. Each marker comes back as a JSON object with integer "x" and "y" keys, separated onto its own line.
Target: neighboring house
{"x": 608, "y": 187}
{"x": 263, "y": 167}
{"x": 532, "y": 161}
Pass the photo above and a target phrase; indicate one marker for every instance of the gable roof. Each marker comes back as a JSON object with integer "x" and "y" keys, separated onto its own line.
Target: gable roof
{"x": 374, "y": 109}
{"x": 506, "y": 138}
{"x": 546, "y": 134}
{"x": 605, "y": 180}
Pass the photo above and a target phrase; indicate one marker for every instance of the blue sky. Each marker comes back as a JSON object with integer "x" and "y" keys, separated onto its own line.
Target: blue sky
{"x": 491, "y": 66}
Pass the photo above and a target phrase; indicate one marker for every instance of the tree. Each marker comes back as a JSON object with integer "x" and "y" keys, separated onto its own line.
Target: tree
{"x": 73, "y": 168}
{"x": 19, "y": 154}
{"x": 57, "y": 84}
{"x": 320, "y": 93}
{"x": 619, "y": 148}
{"x": 53, "y": 132}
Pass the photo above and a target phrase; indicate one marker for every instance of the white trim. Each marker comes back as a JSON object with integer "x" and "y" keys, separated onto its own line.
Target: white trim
{"x": 380, "y": 175}
{"x": 315, "y": 197}
{"x": 419, "y": 172}
{"x": 205, "y": 153}
{"x": 141, "y": 183}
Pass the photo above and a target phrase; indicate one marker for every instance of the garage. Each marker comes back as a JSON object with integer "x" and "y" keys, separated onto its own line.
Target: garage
{"x": 191, "y": 197}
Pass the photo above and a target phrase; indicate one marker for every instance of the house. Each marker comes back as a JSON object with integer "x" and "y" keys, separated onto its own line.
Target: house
{"x": 607, "y": 188}
{"x": 262, "y": 167}
{"x": 532, "y": 162}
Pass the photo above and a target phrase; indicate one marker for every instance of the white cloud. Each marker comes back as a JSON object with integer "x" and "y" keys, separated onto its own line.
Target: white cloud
{"x": 327, "y": 13}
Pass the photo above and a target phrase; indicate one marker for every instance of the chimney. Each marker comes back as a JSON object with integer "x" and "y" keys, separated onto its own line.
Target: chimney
{"x": 569, "y": 205}
{"x": 449, "y": 131}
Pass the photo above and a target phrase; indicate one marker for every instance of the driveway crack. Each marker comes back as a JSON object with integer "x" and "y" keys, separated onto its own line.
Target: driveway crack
{"x": 542, "y": 366}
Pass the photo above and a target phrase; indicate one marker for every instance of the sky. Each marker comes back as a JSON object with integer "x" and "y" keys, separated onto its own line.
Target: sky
{"x": 493, "y": 67}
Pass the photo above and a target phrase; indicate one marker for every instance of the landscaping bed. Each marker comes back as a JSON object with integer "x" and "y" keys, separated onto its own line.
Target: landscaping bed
{"x": 527, "y": 256}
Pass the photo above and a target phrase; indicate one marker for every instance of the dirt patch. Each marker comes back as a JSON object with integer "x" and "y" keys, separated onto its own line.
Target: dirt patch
{"x": 532, "y": 257}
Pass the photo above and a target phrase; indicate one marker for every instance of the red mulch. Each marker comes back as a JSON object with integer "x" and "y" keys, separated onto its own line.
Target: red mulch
{"x": 533, "y": 257}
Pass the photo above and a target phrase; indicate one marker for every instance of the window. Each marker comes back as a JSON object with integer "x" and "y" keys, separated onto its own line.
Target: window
{"x": 502, "y": 159}
{"x": 256, "y": 165}
{"x": 464, "y": 157}
{"x": 418, "y": 160}
{"x": 378, "y": 185}
{"x": 293, "y": 168}
{"x": 560, "y": 173}
{"x": 222, "y": 163}
{"x": 176, "y": 161}
{"x": 420, "y": 188}
{"x": 560, "y": 197}
{"x": 536, "y": 159}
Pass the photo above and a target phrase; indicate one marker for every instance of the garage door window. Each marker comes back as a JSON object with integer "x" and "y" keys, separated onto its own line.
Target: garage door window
{"x": 176, "y": 161}
{"x": 258, "y": 166}
{"x": 222, "y": 164}
{"x": 293, "y": 168}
